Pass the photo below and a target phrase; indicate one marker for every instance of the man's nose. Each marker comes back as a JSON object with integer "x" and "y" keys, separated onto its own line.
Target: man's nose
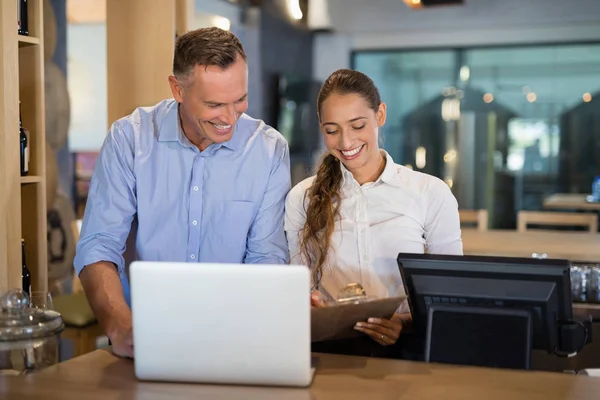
{"x": 230, "y": 115}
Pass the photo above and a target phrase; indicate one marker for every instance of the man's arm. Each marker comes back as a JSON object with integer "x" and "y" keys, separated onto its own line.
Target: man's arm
{"x": 109, "y": 211}
{"x": 295, "y": 218}
{"x": 266, "y": 240}
{"x": 104, "y": 292}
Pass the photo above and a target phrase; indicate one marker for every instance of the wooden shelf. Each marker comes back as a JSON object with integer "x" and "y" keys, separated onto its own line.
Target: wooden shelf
{"x": 24, "y": 198}
{"x": 31, "y": 179}
{"x": 25, "y": 41}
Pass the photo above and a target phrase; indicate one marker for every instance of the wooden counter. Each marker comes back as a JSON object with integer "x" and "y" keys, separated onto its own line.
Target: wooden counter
{"x": 100, "y": 375}
{"x": 574, "y": 246}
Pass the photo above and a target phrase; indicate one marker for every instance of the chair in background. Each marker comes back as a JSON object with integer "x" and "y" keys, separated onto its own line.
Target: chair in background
{"x": 81, "y": 325}
{"x": 479, "y": 218}
{"x": 551, "y": 218}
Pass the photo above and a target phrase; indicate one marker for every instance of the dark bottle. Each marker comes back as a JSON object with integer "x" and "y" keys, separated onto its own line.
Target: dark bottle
{"x": 23, "y": 17}
{"x": 24, "y": 149}
{"x": 25, "y": 275}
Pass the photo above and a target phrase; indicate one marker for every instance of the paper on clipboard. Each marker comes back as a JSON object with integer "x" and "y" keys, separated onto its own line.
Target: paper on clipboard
{"x": 337, "y": 321}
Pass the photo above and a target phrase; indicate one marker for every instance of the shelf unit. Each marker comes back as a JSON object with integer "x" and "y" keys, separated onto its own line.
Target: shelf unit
{"x": 22, "y": 199}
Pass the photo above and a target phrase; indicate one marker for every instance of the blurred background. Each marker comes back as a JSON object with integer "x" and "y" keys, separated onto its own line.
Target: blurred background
{"x": 499, "y": 99}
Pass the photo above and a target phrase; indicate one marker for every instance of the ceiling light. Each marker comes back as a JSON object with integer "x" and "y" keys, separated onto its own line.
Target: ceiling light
{"x": 294, "y": 9}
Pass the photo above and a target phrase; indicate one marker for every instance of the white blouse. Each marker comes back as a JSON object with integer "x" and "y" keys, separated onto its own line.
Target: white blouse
{"x": 404, "y": 211}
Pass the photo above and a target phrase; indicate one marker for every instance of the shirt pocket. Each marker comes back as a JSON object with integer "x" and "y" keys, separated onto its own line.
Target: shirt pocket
{"x": 234, "y": 219}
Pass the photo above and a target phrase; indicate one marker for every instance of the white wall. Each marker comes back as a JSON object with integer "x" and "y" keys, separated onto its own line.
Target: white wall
{"x": 477, "y": 37}
{"x": 390, "y": 24}
{"x": 86, "y": 58}
{"x": 219, "y": 7}
{"x": 331, "y": 51}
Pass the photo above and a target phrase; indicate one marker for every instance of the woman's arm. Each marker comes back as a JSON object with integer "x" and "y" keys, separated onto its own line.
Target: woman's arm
{"x": 295, "y": 218}
{"x": 442, "y": 223}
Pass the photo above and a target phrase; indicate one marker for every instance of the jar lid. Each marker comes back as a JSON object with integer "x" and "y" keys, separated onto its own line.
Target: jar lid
{"x": 20, "y": 322}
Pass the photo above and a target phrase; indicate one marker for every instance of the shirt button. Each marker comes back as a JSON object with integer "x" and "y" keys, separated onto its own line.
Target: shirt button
{"x": 195, "y": 222}
{"x": 193, "y": 256}
{"x": 195, "y": 188}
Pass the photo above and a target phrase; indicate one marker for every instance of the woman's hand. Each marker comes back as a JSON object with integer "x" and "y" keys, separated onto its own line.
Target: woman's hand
{"x": 317, "y": 299}
{"x": 384, "y": 331}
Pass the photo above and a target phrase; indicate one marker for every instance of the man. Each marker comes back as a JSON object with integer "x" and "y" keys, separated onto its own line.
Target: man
{"x": 200, "y": 180}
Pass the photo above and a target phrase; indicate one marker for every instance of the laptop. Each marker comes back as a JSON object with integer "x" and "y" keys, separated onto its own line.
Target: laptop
{"x": 246, "y": 324}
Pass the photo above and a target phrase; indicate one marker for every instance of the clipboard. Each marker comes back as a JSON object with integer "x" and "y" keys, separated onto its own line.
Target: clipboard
{"x": 337, "y": 321}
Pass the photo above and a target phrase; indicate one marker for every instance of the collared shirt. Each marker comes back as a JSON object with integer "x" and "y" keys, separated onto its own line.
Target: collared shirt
{"x": 404, "y": 211}
{"x": 223, "y": 205}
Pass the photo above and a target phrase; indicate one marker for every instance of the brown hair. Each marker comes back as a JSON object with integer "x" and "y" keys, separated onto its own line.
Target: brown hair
{"x": 324, "y": 194}
{"x": 208, "y": 47}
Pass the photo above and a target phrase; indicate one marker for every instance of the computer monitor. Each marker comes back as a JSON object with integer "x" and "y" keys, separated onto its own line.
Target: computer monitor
{"x": 489, "y": 306}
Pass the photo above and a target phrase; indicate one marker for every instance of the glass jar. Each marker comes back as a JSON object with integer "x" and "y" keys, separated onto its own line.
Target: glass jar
{"x": 29, "y": 336}
{"x": 585, "y": 282}
{"x": 594, "y": 283}
{"x": 352, "y": 293}
{"x": 579, "y": 282}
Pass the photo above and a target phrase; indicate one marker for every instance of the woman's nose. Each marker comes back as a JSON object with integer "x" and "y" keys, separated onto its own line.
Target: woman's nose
{"x": 346, "y": 140}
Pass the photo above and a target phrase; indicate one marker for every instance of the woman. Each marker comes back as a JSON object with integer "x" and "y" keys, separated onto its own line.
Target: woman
{"x": 349, "y": 222}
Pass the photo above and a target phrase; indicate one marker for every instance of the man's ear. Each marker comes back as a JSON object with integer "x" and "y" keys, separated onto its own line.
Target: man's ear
{"x": 176, "y": 88}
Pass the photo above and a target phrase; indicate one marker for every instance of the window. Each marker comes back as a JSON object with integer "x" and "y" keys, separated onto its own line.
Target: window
{"x": 503, "y": 126}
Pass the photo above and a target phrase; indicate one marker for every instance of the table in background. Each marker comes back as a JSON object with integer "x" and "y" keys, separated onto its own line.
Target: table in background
{"x": 100, "y": 375}
{"x": 570, "y": 201}
{"x": 574, "y": 246}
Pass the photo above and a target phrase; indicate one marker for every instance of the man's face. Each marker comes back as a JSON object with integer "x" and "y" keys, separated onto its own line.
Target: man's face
{"x": 211, "y": 101}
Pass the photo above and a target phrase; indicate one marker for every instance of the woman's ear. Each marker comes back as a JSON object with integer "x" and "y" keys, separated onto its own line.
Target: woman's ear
{"x": 381, "y": 114}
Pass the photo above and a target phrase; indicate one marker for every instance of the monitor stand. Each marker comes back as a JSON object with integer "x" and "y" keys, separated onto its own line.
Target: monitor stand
{"x": 479, "y": 336}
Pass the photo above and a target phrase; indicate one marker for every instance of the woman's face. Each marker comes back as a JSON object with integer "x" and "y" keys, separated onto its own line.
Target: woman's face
{"x": 351, "y": 130}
